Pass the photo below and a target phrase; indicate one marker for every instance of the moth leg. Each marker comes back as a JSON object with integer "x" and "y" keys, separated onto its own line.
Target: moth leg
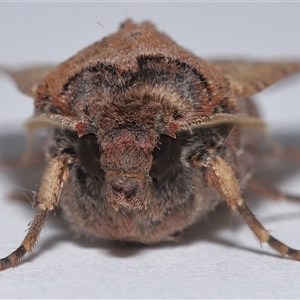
{"x": 31, "y": 126}
{"x": 284, "y": 154}
{"x": 222, "y": 178}
{"x": 292, "y": 154}
{"x": 55, "y": 176}
{"x": 263, "y": 188}
{"x": 26, "y": 158}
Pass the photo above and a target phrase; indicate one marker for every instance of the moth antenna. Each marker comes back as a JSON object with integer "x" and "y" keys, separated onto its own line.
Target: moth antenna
{"x": 103, "y": 28}
{"x": 228, "y": 136}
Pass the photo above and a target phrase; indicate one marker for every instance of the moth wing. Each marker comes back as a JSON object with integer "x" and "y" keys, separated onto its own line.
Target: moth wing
{"x": 248, "y": 78}
{"x": 28, "y": 79}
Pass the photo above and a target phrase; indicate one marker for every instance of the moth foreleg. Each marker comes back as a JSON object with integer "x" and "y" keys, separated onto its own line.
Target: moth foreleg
{"x": 55, "y": 176}
{"x": 221, "y": 176}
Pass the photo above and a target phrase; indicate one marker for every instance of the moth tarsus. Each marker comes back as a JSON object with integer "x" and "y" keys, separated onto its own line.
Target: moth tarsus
{"x": 147, "y": 138}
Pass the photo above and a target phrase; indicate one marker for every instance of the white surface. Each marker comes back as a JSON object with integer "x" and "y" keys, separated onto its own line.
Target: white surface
{"x": 218, "y": 258}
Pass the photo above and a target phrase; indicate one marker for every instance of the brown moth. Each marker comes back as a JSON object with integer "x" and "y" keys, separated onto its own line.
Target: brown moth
{"x": 147, "y": 138}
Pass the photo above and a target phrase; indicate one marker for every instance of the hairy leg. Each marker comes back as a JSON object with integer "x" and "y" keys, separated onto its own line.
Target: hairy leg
{"x": 222, "y": 178}
{"x": 55, "y": 176}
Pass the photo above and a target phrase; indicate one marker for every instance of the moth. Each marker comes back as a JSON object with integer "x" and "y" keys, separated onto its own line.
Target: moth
{"x": 147, "y": 138}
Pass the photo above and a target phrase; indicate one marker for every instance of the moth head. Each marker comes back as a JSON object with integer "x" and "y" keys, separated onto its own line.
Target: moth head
{"x": 129, "y": 117}
{"x": 129, "y": 149}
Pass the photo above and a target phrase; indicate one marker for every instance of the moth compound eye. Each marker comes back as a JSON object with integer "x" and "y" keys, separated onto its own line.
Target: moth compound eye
{"x": 166, "y": 156}
{"x": 88, "y": 154}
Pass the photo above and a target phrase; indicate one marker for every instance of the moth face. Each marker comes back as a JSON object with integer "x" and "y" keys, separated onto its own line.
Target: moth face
{"x": 128, "y": 163}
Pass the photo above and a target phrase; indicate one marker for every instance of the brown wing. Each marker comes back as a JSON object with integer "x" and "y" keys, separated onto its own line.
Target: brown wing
{"x": 248, "y": 78}
{"x": 27, "y": 80}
